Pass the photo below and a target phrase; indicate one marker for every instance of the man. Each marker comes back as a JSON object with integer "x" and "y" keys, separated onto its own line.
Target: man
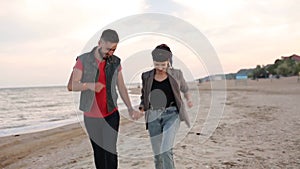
{"x": 96, "y": 74}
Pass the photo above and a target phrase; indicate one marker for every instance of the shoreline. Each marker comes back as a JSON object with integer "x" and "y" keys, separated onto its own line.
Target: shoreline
{"x": 43, "y": 124}
{"x": 36, "y": 128}
{"x": 18, "y": 147}
{"x": 257, "y": 119}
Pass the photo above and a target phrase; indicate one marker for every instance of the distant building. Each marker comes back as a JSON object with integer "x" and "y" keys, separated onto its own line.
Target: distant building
{"x": 243, "y": 73}
{"x": 241, "y": 76}
{"x": 292, "y": 57}
{"x": 217, "y": 77}
{"x": 212, "y": 78}
{"x": 230, "y": 76}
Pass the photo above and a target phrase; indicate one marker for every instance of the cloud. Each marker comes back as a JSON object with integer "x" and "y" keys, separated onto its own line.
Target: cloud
{"x": 165, "y": 6}
{"x": 48, "y": 34}
{"x": 30, "y": 20}
{"x": 246, "y": 33}
{"x": 43, "y": 37}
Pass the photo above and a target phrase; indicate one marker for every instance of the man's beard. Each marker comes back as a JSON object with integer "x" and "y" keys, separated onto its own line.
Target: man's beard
{"x": 104, "y": 57}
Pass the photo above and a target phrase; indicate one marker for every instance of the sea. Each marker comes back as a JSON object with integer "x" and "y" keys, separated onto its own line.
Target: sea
{"x": 32, "y": 109}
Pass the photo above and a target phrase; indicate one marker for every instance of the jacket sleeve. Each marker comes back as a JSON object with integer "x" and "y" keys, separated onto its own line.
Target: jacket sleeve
{"x": 142, "y": 93}
{"x": 183, "y": 85}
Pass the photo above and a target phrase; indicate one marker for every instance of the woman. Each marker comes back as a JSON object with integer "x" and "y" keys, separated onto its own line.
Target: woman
{"x": 163, "y": 106}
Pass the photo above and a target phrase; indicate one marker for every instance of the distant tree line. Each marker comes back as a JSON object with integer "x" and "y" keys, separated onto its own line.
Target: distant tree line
{"x": 286, "y": 67}
{"x": 281, "y": 67}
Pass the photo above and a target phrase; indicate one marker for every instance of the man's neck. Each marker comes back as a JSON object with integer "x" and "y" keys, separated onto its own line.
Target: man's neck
{"x": 98, "y": 55}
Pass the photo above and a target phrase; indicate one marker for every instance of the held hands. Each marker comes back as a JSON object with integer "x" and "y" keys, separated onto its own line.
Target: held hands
{"x": 135, "y": 115}
{"x": 189, "y": 103}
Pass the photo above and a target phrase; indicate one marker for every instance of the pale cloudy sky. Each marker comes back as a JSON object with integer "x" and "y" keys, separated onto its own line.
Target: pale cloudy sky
{"x": 41, "y": 38}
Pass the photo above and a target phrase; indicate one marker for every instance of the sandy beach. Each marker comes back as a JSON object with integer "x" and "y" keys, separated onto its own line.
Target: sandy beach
{"x": 259, "y": 129}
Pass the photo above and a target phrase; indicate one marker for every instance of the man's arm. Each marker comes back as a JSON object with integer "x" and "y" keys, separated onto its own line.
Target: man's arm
{"x": 123, "y": 91}
{"x": 69, "y": 85}
{"x": 125, "y": 97}
{"x": 75, "y": 84}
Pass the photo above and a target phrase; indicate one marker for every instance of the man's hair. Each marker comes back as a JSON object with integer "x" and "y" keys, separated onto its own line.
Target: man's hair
{"x": 110, "y": 35}
{"x": 161, "y": 53}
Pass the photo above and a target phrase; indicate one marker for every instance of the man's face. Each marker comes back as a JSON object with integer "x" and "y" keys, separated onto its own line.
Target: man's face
{"x": 107, "y": 49}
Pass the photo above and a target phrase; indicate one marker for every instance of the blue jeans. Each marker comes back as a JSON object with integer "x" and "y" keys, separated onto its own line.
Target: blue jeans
{"x": 162, "y": 127}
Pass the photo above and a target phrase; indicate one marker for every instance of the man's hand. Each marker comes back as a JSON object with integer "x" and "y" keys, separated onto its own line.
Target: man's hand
{"x": 135, "y": 115}
{"x": 97, "y": 87}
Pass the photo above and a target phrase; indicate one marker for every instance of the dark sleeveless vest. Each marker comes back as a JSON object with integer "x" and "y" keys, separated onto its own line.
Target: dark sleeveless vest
{"x": 91, "y": 74}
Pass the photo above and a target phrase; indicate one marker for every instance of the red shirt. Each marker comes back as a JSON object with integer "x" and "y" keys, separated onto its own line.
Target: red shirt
{"x": 99, "y": 107}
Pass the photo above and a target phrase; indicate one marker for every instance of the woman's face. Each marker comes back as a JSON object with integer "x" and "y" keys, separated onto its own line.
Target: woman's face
{"x": 161, "y": 66}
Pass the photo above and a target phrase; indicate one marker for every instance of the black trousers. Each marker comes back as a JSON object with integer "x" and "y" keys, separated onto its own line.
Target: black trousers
{"x": 103, "y": 133}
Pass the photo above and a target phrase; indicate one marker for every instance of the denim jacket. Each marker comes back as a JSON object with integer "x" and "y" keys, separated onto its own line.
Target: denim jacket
{"x": 91, "y": 74}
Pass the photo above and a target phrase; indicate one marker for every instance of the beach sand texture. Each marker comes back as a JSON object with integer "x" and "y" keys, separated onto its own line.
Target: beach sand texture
{"x": 259, "y": 129}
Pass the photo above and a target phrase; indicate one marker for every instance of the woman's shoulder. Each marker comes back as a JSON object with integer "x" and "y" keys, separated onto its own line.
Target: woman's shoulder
{"x": 147, "y": 73}
{"x": 175, "y": 71}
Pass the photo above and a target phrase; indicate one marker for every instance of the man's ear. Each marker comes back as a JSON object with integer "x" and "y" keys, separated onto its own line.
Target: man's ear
{"x": 100, "y": 43}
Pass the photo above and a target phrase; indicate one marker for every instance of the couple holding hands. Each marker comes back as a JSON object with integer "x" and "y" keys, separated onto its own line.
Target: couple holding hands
{"x": 98, "y": 73}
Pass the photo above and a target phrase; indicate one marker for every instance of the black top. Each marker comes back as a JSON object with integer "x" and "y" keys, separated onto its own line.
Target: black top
{"x": 161, "y": 95}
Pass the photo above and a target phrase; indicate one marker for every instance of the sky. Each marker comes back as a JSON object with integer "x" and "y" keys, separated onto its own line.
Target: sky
{"x": 40, "y": 39}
